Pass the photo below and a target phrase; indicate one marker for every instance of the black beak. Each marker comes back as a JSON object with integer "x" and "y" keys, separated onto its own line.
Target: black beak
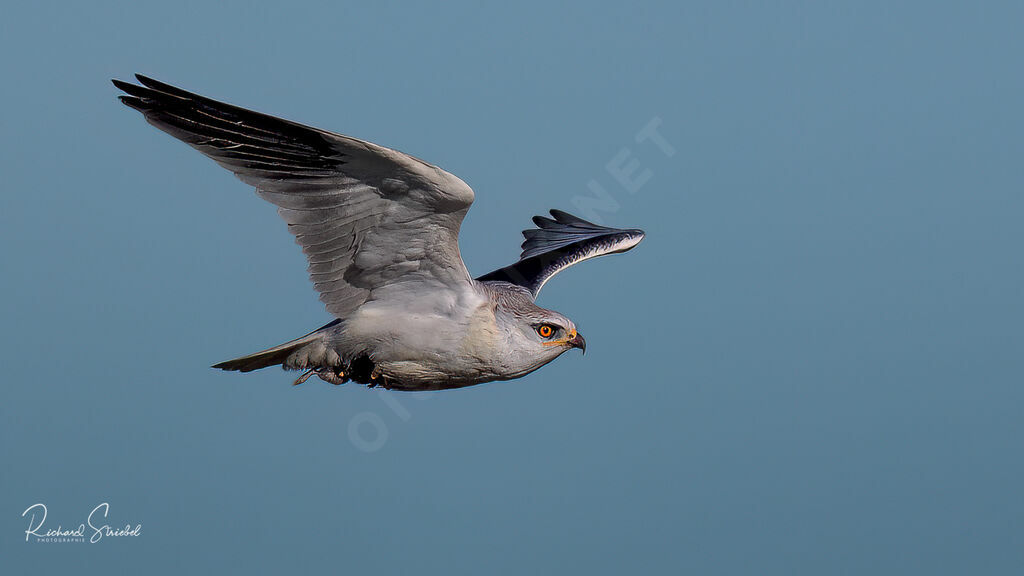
{"x": 577, "y": 341}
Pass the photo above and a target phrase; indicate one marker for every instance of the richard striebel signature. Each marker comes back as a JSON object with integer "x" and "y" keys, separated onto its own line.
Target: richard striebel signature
{"x": 78, "y": 534}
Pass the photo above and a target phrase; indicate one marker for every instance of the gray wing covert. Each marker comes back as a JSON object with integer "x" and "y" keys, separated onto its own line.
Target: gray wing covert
{"x": 366, "y": 216}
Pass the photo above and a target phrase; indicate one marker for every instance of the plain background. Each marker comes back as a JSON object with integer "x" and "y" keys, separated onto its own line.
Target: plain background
{"x": 812, "y": 364}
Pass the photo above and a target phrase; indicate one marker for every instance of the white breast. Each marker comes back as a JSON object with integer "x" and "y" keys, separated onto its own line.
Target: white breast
{"x": 440, "y": 334}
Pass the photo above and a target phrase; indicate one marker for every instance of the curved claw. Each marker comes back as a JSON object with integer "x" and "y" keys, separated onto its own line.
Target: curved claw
{"x": 304, "y": 377}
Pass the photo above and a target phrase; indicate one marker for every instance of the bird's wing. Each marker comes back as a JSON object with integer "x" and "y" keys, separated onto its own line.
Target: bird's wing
{"x": 559, "y": 243}
{"x": 366, "y": 216}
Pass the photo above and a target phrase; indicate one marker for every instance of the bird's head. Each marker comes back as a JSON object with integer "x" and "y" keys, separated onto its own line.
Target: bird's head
{"x": 555, "y": 332}
{"x": 535, "y": 335}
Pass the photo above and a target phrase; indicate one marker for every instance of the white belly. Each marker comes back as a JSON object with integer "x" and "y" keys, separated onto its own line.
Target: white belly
{"x": 442, "y": 337}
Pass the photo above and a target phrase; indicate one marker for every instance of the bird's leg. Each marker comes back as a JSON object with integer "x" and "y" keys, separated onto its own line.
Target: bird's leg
{"x": 304, "y": 377}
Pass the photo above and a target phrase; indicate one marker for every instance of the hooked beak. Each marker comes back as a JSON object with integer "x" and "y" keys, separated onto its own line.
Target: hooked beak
{"x": 577, "y": 341}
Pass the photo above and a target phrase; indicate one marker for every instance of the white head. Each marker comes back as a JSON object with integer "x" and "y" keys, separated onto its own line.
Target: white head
{"x": 534, "y": 335}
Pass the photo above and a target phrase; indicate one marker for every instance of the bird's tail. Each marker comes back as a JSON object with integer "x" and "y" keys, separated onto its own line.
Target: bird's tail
{"x": 271, "y": 356}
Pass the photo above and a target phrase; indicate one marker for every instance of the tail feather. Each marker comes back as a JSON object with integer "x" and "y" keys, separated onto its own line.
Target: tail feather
{"x": 271, "y": 356}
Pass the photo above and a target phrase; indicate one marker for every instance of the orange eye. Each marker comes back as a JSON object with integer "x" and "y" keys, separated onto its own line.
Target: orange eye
{"x": 545, "y": 331}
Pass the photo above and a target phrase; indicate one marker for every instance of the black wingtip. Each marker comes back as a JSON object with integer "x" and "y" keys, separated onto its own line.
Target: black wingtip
{"x": 155, "y": 84}
{"x": 164, "y": 88}
{"x": 563, "y": 217}
{"x": 122, "y": 85}
{"x": 560, "y": 215}
{"x": 545, "y": 223}
{"x": 133, "y": 102}
{"x": 132, "y": 90}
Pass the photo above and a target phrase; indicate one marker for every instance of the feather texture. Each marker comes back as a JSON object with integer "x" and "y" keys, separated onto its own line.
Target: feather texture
{"x": 366, "y": 216}
{"x": 557, "y": 243}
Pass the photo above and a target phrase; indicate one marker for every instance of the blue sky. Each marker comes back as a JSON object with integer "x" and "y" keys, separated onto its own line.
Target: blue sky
{"x": 811, "y": 365}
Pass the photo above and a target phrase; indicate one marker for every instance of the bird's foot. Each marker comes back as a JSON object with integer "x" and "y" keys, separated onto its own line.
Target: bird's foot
{"x": 331, "y": 376}
{"x": 377, "y": 378}
{"x": 326, "y": 374}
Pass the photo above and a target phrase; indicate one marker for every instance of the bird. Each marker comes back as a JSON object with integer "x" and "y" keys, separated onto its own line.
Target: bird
{"x": 380, "y": 231}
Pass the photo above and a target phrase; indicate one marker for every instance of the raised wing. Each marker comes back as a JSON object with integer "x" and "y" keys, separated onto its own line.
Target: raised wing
{"x": 557, "y": 244}
{"x": 366, "y": 216}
